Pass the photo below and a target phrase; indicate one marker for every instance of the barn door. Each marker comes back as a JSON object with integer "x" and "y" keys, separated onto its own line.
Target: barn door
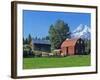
{"x": 66, "y": 50}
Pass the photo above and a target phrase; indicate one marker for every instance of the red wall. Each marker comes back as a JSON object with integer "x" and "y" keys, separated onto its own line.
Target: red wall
{"x": 70, "y": 50}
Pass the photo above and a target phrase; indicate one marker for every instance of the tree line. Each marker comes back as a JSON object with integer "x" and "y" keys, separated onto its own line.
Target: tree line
{"x": 28, "y": 39}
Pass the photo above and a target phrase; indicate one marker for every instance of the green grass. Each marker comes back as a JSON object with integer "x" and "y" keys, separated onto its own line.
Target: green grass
{"x": 69, "y": 61}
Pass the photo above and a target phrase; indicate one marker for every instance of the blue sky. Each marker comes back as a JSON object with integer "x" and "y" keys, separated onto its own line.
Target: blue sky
{"x": 37, "y": 23}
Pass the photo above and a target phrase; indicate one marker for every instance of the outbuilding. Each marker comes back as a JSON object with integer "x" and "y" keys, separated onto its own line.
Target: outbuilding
{"x": 41, "y": 45}
{"x": 72, "y": 47}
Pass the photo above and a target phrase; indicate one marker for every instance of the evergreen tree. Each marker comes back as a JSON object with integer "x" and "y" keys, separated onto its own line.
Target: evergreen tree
{"x": 23, "y": 41}
{"x": 30, "y": 42}
{"x": 26, "y": 41}
{"x": 58, "y": 33}
{"x": 29, "y": 39}
{"x": 36, "y": 38}
{"x": 47, "y": 37}
{"x": 87, "y": 46}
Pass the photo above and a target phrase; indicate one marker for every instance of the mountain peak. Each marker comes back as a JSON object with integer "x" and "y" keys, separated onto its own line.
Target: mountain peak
{"x": 79, "y": 28}
{"x": 82, "y": 31}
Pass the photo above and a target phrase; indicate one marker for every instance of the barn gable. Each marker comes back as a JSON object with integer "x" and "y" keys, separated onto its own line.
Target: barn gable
{"x": 69, "y": 42}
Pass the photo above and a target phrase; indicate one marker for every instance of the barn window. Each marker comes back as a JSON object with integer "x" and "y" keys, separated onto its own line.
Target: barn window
{"x": 76, "y": 51}
{"x": 77, "y": 41}
{"x": 81, "y": 42}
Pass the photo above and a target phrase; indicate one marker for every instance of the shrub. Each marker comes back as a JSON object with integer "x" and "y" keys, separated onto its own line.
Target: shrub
{"x": 28, "y": 53}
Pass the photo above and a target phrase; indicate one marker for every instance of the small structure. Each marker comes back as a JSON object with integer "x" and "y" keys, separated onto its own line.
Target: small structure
{"x": 41, "y": 45}
{"x": 72, "y": 47}
{"x": 57, "y": 52}
{"x": 45, "y": 54}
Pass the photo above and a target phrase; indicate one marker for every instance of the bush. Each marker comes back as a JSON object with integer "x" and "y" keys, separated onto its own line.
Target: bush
{"x": 28, "y": 53}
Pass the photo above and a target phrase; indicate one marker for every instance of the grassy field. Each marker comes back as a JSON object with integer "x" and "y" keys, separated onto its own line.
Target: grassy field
{"x": 69, "y": 61}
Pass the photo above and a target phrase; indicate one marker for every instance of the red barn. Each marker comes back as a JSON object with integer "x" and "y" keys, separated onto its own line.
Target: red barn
{"x": 72, "y": 47}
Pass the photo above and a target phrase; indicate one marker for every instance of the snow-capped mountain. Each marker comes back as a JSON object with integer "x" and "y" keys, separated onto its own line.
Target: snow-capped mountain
{"x": 82, "y": 31}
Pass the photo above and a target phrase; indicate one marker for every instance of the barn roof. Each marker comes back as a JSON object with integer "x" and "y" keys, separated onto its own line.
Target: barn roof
{"x": 35, "y": 41}
{"x": 69, "y": 42}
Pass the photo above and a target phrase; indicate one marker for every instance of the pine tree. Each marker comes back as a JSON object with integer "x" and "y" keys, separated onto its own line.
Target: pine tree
{"x": 23, "y": 41}
{"x": 29, "y": 39}
{"x": 26, "y": 41}
{"x": 58, "y": 33}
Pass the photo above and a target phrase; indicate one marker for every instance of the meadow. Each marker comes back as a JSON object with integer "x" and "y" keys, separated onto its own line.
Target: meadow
{"x": 56, "y": 62}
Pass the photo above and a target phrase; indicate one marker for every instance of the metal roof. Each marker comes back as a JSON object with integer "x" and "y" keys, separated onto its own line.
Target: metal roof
{"x": 35, "y": 41}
